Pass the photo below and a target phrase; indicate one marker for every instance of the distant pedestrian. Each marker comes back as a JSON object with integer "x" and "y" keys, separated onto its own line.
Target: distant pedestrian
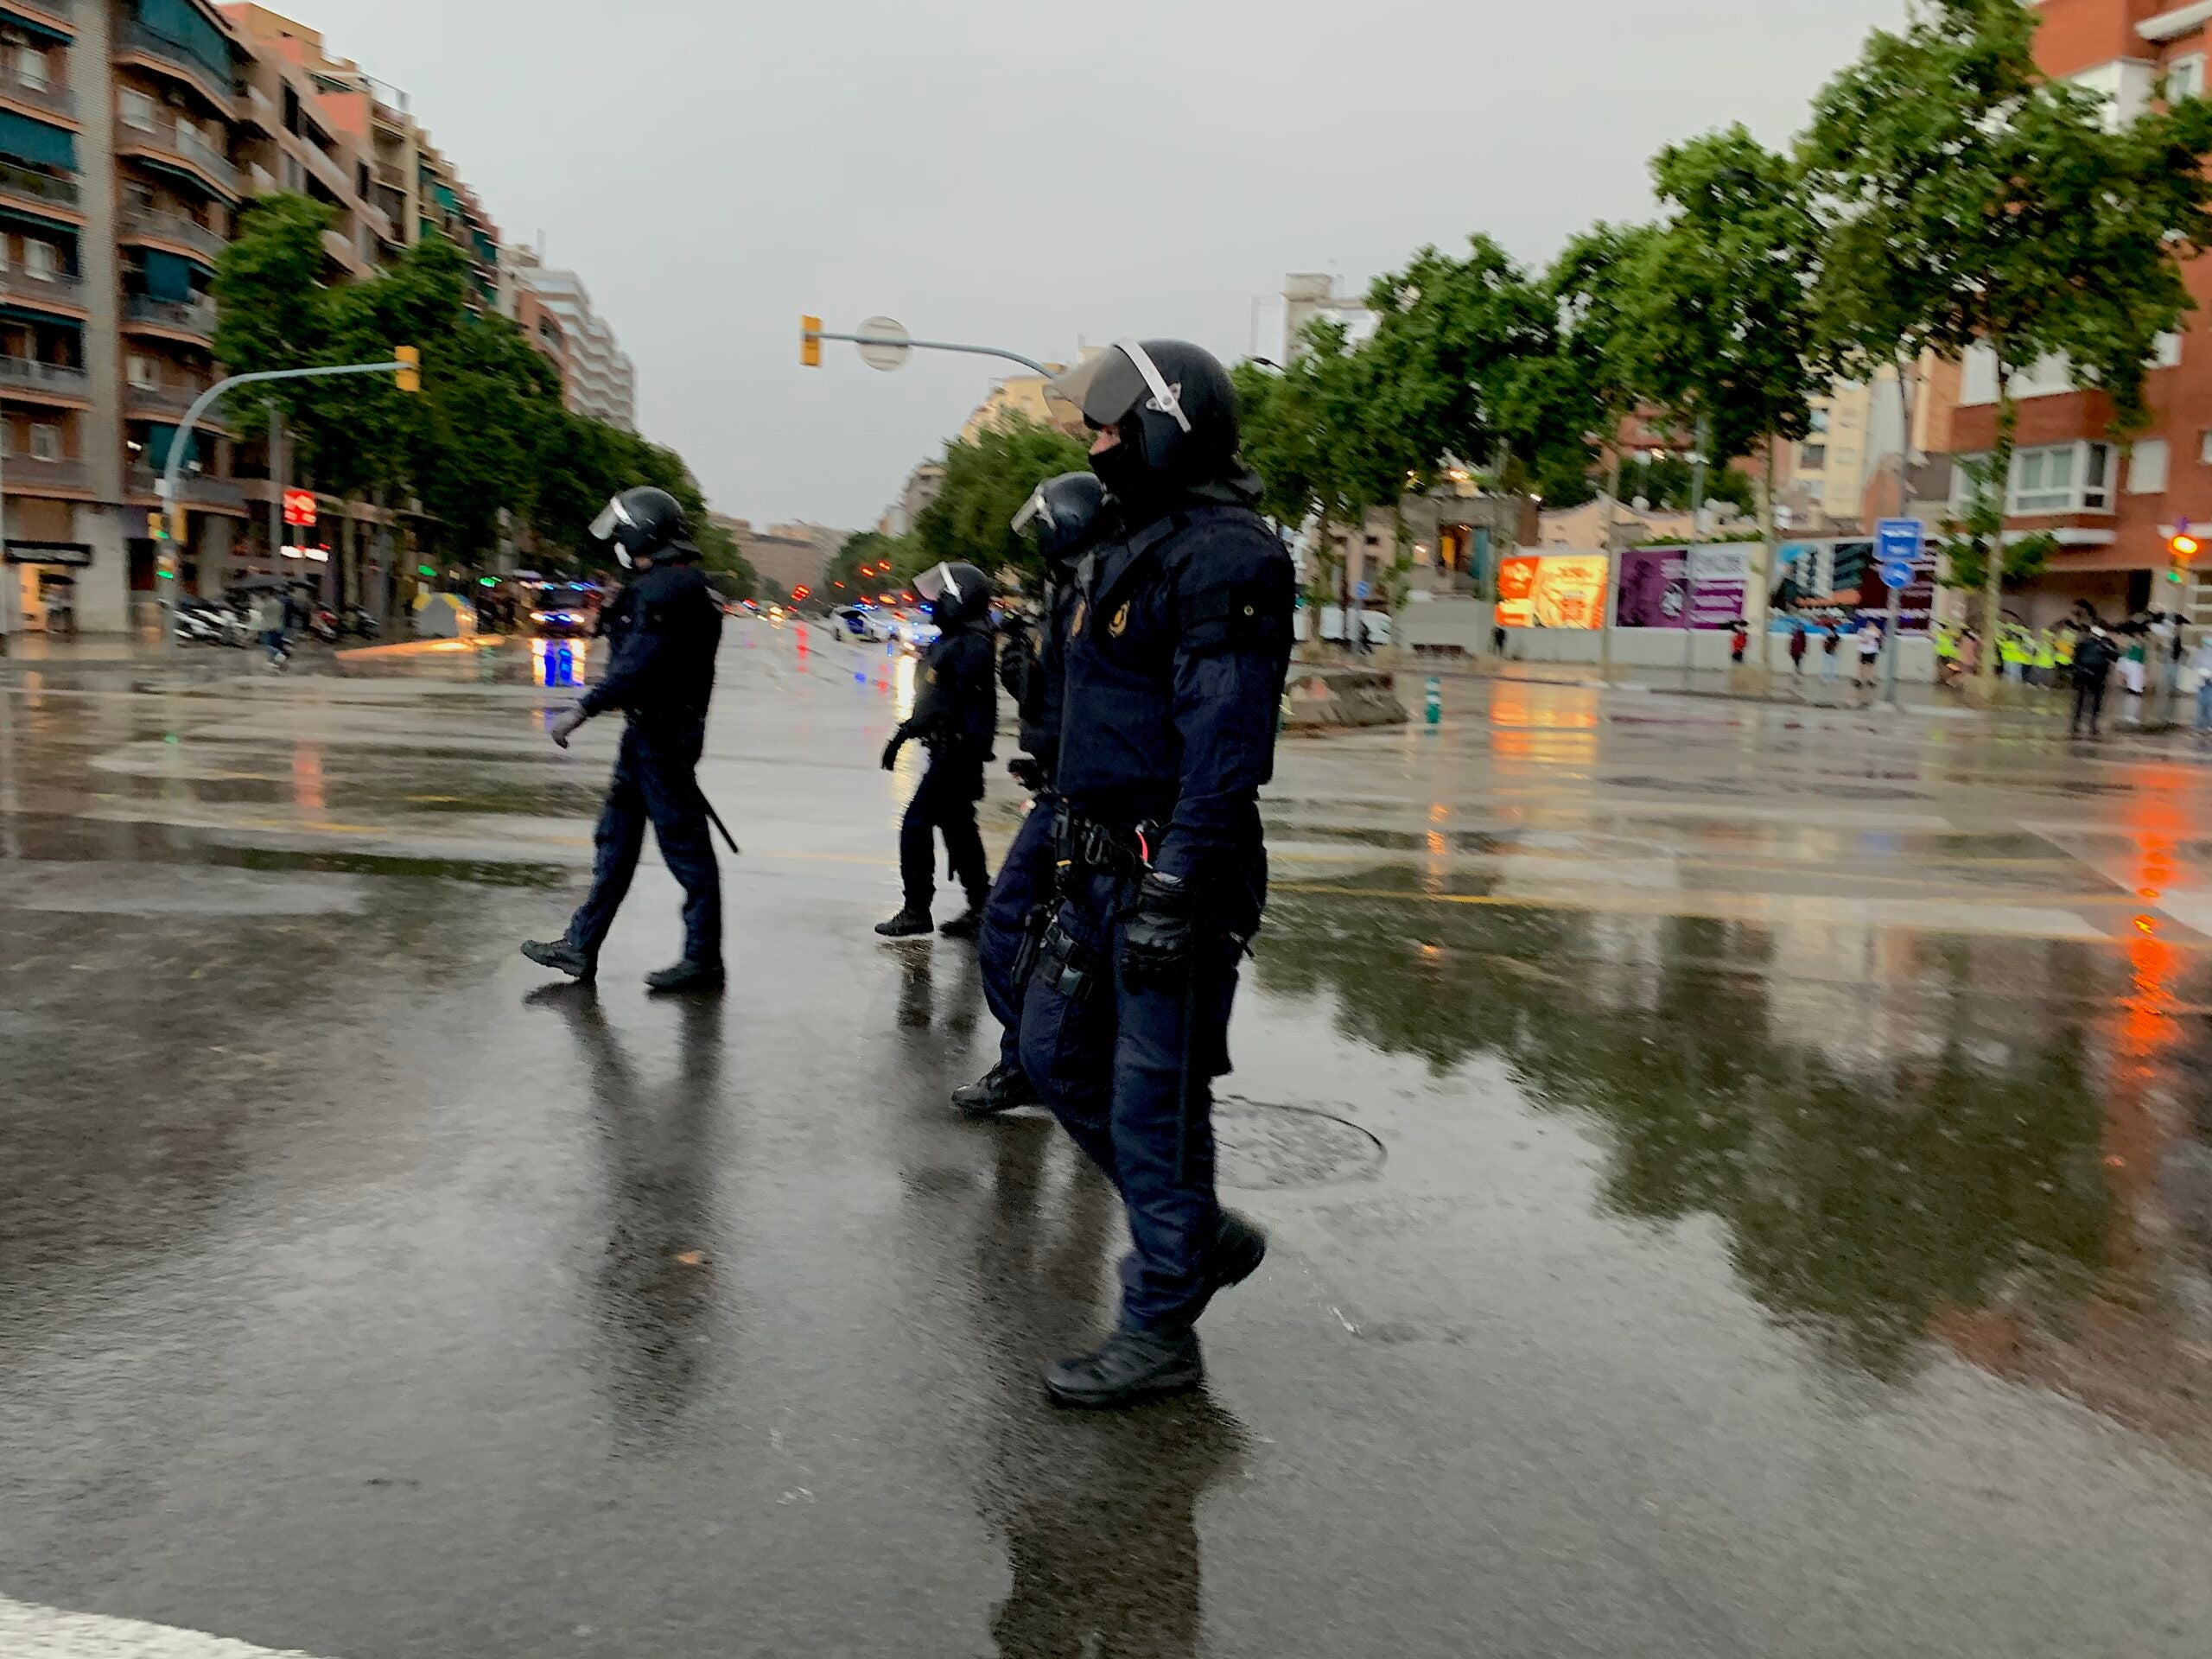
{"x": 1739, "y": 641}
{"x": 1797, "y": 650}
{"x": 1969, "y": 655}
{"x": 2094, "y": 656}
{"x": 2132, "y": 677}
{"x": 1870, "y": 650}
{"x": 272, "y": 616}
{"x": 2200, "y": 664}
{"x": 1831, "y": 650}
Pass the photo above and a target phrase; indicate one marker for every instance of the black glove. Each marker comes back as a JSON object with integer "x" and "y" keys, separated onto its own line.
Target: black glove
{"x": 890, "y": 749}
{"x": 1158, "y": 930}
{"x": 1027, "y": 771}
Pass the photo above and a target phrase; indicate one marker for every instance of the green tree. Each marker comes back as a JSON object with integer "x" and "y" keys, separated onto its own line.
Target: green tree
{"x": 1970, "y": 201}
{"x": 1719, "y": 315}
{"x": 868, "y": 550}
{"x": 986, "y": 482}
{"x": 1593, "y": 289}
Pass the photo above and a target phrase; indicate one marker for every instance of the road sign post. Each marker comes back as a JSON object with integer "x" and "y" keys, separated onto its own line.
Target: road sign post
{"x": 1898, "y": 543}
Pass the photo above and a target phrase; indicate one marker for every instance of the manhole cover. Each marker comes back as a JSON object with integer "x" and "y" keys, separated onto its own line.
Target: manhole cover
{"x": 1262, "y": 1146}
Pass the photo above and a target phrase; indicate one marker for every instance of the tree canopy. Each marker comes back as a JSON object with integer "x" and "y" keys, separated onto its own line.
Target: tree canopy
{"x": 986, "y": 482}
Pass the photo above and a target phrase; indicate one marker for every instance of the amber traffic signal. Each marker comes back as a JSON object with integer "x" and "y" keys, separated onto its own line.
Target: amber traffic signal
{"x": 810, "y": 342}
{"x": 411, "y": 367}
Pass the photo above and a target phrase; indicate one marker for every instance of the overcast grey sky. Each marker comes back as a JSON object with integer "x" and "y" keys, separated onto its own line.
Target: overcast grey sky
{"x": 1028, "y": 173}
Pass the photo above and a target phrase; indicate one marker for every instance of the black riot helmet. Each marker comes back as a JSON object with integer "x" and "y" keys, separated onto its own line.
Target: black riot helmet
{"x": 1173, "y": 406}
{"x": 959, "y": 595}
{"x": 1066, "y": 514}
{"x": 642, "y": 524}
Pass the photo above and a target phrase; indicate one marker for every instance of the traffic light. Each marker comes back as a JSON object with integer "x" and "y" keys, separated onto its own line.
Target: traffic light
{"x": 177, "y": 532}
{"x": 411, "y": 368}
{"x": 810, "y": 342}
{"x": 2182, "y": 549}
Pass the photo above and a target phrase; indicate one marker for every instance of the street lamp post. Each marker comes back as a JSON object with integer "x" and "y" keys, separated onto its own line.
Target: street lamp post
{"x": 1689, "y": 554}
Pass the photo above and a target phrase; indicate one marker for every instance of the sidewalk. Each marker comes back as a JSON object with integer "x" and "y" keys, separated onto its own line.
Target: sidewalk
{"x": 105, "y": 658}
{"x": 1786, "y": 690}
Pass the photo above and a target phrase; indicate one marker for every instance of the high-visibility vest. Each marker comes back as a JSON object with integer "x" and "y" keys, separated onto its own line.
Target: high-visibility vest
{"x": 1946, "y": 643}
{"x": 2046, "y": 651}
{"x": 2010, "y": 647}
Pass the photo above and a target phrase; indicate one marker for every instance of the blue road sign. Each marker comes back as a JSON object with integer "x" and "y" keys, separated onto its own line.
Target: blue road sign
{"x": 1362, "y": 590}
{"x": 1898, "y": 543}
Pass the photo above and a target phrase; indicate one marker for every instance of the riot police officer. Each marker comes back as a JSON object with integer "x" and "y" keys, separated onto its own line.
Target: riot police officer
{"x": 667, "y": 629}
{"x": 1065, "y": 516}
{"x": 1176, "y": 657}
{"x": 956, "y": 716}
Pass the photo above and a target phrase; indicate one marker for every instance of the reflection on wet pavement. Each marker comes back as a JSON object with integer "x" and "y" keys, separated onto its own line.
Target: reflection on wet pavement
{"x": 1741, "y": 1183}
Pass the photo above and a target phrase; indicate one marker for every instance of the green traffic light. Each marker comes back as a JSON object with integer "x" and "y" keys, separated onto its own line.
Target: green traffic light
{"x": 426, "y": 571}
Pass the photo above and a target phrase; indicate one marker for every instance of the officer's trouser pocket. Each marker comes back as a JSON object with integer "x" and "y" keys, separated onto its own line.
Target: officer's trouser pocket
{"x": 1067, "y": 1015}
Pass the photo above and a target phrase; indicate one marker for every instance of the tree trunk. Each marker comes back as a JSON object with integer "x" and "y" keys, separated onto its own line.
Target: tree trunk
{"x": 1763, "y": 579}
{"x": 2000, "y": 481}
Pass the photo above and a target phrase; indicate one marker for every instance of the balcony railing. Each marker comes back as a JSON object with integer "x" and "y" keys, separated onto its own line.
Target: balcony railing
{"x": 169, "y": 400}
{"x": 57, "y": 100}
{"x": 28, "y": 182}
{"x": 191, "y": 317}
{"x": 26, "y": 287}
{"x": 174, "y": 227}
{"x": 197, "y": 486}
{"x": 28, "y": 475}
{"x": 261, "y": 109}
{"x": 136, "y": 37}
{"x": 51, "y": 377}
{"x": 183, "y": 143}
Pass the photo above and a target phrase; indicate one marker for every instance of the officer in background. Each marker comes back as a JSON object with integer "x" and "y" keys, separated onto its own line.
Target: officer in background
{"x": 956, "y": 716}
{"x": 667, "y": 628}
{"x": 1065, "y": 516}
{"x": 1176, "y": 657}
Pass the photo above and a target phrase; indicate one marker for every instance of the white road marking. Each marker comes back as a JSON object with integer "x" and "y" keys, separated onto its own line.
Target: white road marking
{"x": 31, "y": 1632}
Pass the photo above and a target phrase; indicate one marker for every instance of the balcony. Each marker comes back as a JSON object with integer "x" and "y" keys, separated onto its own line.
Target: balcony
{"x": 28, "y": 184}
{"x": 157, "y": 226}
{"x": 195, "y": 318}
{"x": 53, "y": 98}
{"x": 181, "y": 144}
{"x": 27, "y": 475}
{"x": 259, "y": 110}
{"x": 199, "y": 490}
{"x": 22, "y": 286}
{"x": 24, "y": 374}
{"x": 341, "y": 250}
{"x": 61, "y": 10}
{"x": 136, "y": 40}
{"x": 168, "y": 399}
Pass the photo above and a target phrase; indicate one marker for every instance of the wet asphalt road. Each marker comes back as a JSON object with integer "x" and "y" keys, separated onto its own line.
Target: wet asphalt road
{"x": 1741, "y": 1185}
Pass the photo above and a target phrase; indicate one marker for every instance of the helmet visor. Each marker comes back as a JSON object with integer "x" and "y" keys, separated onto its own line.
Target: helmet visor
{"x": 611, "y": 517}
{"x": 1035, "y": 511}
{"x": 936, "y": 582}
{"x": 1110, "y": 387}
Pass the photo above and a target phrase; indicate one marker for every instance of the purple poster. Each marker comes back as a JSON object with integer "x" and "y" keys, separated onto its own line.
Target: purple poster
{"x": 1651, "y": 588}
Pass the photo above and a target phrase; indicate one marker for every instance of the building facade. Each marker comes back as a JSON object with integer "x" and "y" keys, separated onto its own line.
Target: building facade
{"x": 597, "y": 377}
{"x": 132, "y": 134}
{"x": 2110, "y": 505}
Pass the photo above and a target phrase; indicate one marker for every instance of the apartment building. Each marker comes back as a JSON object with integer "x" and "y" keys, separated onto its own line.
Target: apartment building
{"x": 2111, "y": 506}
{"x": 132, "y": 133}
{"x": 554, "y": 309}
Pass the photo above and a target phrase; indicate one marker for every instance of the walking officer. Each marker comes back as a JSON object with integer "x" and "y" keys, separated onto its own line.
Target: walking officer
{"x": 1067, "y": 516}
{"x": 662, "y": 678}
{"x": 956, "y": 716}
{"x": 1176, "y": 656}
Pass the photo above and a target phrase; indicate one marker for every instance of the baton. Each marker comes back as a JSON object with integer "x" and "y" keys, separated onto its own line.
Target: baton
{"x": 716, "y": 818}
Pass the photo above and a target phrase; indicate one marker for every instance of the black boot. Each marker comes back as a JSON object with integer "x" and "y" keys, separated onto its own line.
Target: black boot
{"x": 1238, "y": 1249}
{"x": 909, "y": 923}
{"x": 1000, "y": 1090}
{"x": 1132, "y": 1366}
{"x": 561, "y": 956}
{"x": 966, "y": 925}
{"x": 687, "y": 976}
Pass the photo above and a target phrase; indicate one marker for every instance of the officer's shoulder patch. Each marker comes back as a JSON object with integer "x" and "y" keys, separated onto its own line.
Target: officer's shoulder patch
{"x": 1119, "y": 624}
{"x": 1082, "y": 610}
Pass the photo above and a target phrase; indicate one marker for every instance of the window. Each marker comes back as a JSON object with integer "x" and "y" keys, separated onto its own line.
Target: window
{"x": 46, "y": 443}
{"x": 1812, "y": 457}
{"x": 138, "y": 110}
{"x": 1820, "y": 420}
{"x": 144, "y": 374}
{"x": 2146, "y": 468}
{"x": 2165, "y": 354}
{"x": 2062, "y": 478}
{"x": 40, "y": 259}
{"x": 2185, "y": 77}
{"x": 30, "y": 68}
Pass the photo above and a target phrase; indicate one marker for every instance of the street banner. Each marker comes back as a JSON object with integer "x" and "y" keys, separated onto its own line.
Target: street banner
{"x": 1721, "y": 585}
{"x": 1654, "y": 589}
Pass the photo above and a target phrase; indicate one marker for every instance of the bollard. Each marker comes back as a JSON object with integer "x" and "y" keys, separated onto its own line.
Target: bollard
{"x": 1435, "y": 701}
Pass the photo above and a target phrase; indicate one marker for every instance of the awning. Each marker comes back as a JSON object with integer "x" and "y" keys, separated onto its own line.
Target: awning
{"x": 34, "y": 142}
{"x": 45, "y": 33}
{"x": 74, "y": 553}
{"x": 169, "y": 276}
{"x": 159, "y": 435}
{"x": 185, "y": 27}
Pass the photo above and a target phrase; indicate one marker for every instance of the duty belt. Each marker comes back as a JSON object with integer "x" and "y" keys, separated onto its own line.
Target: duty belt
{"x": 1083, "y": 844}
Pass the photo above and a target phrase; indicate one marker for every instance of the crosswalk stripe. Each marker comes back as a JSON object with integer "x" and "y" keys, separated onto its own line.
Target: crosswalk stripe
{"x": 31, "y": 1632}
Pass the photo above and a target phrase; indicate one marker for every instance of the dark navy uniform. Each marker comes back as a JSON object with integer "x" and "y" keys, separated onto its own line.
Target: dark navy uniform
{"x": 956, "y": 714}
{"x": 1024, "y": 878}
{"x": 667, "y": 627}
{"x": 1175, "y": 661}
